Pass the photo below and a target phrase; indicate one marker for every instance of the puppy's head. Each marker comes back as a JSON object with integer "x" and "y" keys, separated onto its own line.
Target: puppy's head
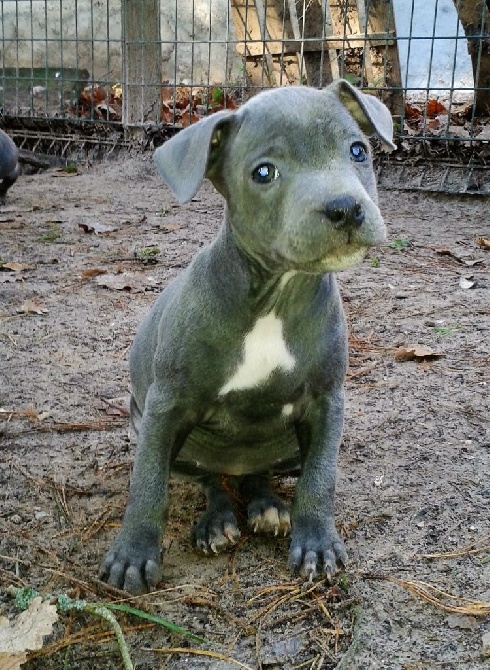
{"x": 295, "y": 168}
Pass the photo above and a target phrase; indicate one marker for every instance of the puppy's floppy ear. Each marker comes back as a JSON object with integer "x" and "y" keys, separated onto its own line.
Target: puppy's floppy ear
{"x": 370, "y": 113}
{"x": 185, "y": 160}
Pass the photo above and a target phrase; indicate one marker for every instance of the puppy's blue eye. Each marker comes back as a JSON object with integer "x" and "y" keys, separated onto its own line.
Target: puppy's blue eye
{"x": 265, "y": 173}
{"x": 358, "y": 152}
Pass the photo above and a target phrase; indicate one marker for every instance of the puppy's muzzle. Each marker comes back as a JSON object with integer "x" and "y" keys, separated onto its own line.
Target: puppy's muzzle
{"x": 345, "y": 212}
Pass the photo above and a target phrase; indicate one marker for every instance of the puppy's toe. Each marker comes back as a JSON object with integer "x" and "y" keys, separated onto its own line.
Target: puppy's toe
{"x": 132, "y": 565}
{"x": 216, "y": 531}
{"x": 316, "y": 550}
{"x": 269, "y": 515}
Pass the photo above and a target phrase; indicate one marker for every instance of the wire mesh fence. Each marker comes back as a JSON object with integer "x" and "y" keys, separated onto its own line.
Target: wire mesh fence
{"x": 106, "y": 69}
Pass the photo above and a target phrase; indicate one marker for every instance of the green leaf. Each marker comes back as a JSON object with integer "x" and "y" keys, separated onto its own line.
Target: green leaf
{"x": 154, "y": 619}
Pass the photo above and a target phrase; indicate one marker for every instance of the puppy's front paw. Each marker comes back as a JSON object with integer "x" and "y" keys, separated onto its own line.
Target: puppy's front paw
{"x": 133, "y": 563}
{"x": 316, "y": 549}
{"x": 268, "y": 514}
{"x": 216, "y": 531}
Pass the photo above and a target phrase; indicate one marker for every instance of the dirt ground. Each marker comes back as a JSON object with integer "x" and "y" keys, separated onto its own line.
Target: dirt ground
{"x": 414, "y": 467}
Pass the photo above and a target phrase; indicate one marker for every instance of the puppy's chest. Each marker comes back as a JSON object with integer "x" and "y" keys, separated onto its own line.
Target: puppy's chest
{"x": 263, "y": 353}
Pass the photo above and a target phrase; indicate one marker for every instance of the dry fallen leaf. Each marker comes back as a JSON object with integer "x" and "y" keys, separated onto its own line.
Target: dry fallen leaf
{"x": 167, "y": 227}
{"x": 16, "y": 267}
{"x": 415, "y": 353}
{"x": 434, "y": 107}
{"x": 93, "y": 272}
{"x": 31, "y": 307}
{"x": 483, "y": 242}
{"x": 25, "y": 633}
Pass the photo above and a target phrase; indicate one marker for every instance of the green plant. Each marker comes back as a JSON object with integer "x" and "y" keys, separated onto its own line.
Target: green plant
{"x": 70, "y": 168}
{"x": 400, "y": 244}
{"x": 375, "y": 262}
{"x": 52, "y": 235}
{"x": 147, "y": 255}
{"x": 445, "y": 330}
{"x": 217, "y": 95}
{"x": 65, "y": 604}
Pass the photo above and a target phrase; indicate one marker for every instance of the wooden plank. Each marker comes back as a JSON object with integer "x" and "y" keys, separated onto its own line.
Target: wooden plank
{"x": 385, "y": 65}
{"x": 259, "y": 31}
{"x": 287, "y": 46}
{"x": 142, "y": 61}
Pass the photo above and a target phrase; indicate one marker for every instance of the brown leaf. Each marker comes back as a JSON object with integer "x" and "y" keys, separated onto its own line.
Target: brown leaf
{"x": 189, "y": 117}
{"x": 16, "y": 267}
{"x": 434, "y": 108}
{"x": 25, "y": 633}
{"x": 32, "y": 307}
{"x": 411, "y": 112}
{"x": 171, "y": 226}
{"x": 483, "y": 242}
{"x": 434, "y": 124}
{"x": 93, "y": 272}
{"x": 415, "y": 353}
{"x": 92, "y": 95}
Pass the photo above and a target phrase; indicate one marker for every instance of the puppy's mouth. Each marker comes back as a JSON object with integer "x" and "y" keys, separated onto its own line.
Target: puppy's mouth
{"x": 342, "y": 259}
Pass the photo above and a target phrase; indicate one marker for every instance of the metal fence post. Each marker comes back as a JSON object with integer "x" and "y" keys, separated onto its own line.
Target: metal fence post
{"x": 142, "y": 61}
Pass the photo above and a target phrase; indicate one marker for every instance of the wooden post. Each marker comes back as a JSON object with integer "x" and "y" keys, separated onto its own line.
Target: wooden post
{"x": 475, "y": 17}
{"x": 381, "y": 62}
{"x": 142, "y": 58}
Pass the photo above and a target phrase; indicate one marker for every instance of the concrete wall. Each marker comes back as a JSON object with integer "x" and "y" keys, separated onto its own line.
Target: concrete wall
{"x": 46, "y": 33}
{"x": 434, "y": 63}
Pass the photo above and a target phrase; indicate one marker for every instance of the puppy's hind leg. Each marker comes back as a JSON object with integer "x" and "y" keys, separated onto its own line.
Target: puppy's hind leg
{"x": 217, "y": 529}
{"x": 267, "y": 513}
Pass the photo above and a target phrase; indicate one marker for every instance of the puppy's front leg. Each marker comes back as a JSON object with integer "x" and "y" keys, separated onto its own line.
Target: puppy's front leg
{"x": 133, "y": 563}
{"x": 316, "y": 547}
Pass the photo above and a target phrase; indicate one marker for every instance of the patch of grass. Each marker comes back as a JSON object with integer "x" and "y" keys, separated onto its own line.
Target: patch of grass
{"x": 399, "y": 244}
{"x": 147, "y": 255}
{"x": 445, "y": 330}
{"x": 71, "y": 168}
{"x": 375, "y": 262}
{"x": 51, "y": 235}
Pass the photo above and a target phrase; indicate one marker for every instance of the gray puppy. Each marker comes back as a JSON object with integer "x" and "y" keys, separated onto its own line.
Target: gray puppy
{"x": 9, "y": 165}
{"x": 238, "y": 370}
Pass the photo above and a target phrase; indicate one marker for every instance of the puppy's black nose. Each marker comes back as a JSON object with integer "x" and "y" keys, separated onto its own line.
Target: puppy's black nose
{"x": 345, "y": 211}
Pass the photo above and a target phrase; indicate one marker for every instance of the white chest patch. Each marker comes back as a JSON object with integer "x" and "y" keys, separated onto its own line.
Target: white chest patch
{"x": 264, "y": 350}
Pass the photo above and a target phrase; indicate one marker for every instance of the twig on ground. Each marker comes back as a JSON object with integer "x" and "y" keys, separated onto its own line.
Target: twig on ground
{"x": 468, "y": 550}
{"x": 199, "y": 652}
{"x": 438, "y": 597}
